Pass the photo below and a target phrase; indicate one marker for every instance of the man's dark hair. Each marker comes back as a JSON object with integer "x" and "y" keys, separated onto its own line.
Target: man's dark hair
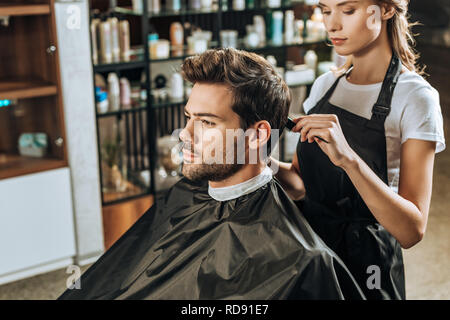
{"x": 259, "y": 93}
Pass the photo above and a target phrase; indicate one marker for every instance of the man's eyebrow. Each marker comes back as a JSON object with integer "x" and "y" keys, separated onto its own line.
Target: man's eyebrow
{"x": 203, "y": 114}
{"x": 339, "y": 4}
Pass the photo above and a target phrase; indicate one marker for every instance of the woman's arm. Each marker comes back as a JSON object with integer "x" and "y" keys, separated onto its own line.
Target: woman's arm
{"x": 289, "y": 176}
{"x": 404, "y": 214}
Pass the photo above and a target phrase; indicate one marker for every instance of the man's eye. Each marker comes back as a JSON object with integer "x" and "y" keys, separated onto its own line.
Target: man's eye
{"x": 349, "y": 12}
{"x": 326, "y": 13}
{"x": 208, "y": 123}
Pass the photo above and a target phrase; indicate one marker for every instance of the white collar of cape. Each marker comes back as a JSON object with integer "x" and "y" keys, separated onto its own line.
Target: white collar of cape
{"x": 240, "y": 189}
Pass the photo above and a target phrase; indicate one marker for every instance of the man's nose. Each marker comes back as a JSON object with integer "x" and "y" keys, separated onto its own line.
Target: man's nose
{"x": 187, "y": 134}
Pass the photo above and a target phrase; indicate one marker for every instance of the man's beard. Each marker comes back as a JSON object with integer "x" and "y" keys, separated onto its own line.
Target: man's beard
{"x": 209, "y": 172}
{"x": 213, "y": 171}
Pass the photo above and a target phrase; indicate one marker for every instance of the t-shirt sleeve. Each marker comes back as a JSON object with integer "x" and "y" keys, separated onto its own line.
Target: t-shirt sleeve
{"x": 422, "y": 118}
{"x": 318, "y": 90}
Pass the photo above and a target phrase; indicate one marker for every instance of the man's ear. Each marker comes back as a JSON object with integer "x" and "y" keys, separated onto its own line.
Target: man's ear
{"x": 260, "y": 135}
{"x": 387, "y": 12}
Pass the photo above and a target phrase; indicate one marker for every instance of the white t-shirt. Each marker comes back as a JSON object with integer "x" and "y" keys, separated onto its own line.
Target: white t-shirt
{"x": 240, "y": 189}
{"x": 415, "y": 111}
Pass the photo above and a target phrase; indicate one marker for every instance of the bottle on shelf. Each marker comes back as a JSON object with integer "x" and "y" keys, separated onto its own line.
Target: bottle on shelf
{"x": 174, "y": 5}
{"x": 138, "y": 6}
{"x": 115, "y": 46}
{"x": 105, "y": 41}
{"x": 94, "y": 28}
{"x": 238, "y": 5}
{"x": 125, "y": 93}
{"x": 260, "y": 29}
{"x": 289, "y": 26}
{"x": 102, "y": 100}
{"x": 273, "y": 3}
{"x": 311, "y": 59}
{"x": 277, "y": 28}
{"x": 250, "y": 4}
{"x": 113, "y": 92}
{"x": 195, "y": 4}
{"x": 176, "y": 38}
{"x": 124, "y": 40}
{"x": 206, "y": 4}
{"x": 154, "y": 6}
{"x": 176, "y": 87}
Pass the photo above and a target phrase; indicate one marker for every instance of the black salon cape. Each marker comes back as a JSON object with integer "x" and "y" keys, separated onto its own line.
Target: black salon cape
{"x": 190, "y": 246}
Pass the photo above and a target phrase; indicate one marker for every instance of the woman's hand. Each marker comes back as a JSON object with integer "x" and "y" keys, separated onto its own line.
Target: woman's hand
{"x": 327, "y": 127}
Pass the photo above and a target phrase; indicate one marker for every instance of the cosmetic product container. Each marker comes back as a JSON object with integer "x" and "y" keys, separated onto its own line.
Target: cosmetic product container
{"x": 125, "y": 93}
{"x": 176, "y": 38}
{"x": 105, "y": 41}
{"x": 113, "y": 92}
{"x": 95, "y": 25}
{"x": 115, "y": 46}
{"x": 277, "y": 28}
{"x": 124, "y": 40}
{"x": 289, "y": 26}
{"x": 238, "y": 5}
{"x": 176, "y": 87}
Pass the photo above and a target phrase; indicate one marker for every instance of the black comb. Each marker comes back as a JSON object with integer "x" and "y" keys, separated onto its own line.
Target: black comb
{"x": 291, "y": 124}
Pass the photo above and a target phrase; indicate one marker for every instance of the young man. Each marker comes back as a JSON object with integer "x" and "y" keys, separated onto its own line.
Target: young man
{"x": 227, "y": 230}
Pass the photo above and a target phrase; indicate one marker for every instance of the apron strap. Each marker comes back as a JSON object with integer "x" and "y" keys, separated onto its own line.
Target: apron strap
{"x": 382, "y": 107}
{"x": 330, "y": 91}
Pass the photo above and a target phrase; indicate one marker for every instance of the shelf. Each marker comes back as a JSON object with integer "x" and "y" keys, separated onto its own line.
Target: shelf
{"x": 155, "y": 105}
{"x": 107, "y": 67}
{"x": 16, "y": 165}
{"x": 21, "y": 89}
{"x": 122, "y": 111}
{"x": 271, "y": 46}
{"x": 186, "y": 11}
{"x": 133, "y": 192}
{"x": 14, "y": 9}
{"x": 168, "y": 103}
{"x": 267, "y": 47}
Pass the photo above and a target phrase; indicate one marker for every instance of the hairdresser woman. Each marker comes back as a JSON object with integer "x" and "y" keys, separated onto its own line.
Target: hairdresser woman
{"x": 365, "y": 186}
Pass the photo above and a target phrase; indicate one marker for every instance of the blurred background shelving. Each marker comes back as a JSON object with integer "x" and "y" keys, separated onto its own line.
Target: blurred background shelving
{"x": 134, "y": 139}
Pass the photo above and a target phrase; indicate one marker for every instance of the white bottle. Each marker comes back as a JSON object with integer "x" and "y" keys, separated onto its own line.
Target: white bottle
{"x": 138, "y": 6}
{"x": 207, "y": 4}
{"x": 125, "y": 93}
{"x": 115, "y": 46}
{"x": 95, "y": 24}
{"x": 176, "y": 86}
{"x": 289, "y": 26}
{"x": 260, "y": 28}
{"x": 105, "y": 42}
{"x": 238, "y": 4}
{"x": 113, "y": 92}
{"x": 311, "y": 59}
{"x": 124, "y": 39}
{"x": 274, "y": 3}
{"x": 271, "y": 59}
{"x": 154, "y": 6}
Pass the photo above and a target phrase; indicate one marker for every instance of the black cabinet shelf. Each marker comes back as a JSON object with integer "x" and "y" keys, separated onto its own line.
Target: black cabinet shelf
{"x": 119, "y": 66}
{"x": 185, "y": 11}
{"x": 141, "y": 64}
{"x": 122, "y": 111}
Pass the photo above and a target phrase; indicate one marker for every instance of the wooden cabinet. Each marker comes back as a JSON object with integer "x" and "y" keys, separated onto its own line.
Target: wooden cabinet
{"x": 36, "y": 210}
{"x": 30, "y": 86}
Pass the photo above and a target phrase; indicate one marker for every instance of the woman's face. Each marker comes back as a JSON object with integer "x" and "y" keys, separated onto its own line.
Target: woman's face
{"x": 351, "y": 25}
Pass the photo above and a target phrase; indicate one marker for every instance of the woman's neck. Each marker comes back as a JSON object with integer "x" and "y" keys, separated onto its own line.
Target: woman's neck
{"x": 371, "y": 63}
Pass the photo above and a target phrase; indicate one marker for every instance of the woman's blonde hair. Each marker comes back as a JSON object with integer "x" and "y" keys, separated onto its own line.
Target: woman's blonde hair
{"x": 400, "y": 37}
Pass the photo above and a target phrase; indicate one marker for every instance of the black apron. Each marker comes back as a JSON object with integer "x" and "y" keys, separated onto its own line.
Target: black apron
{"x": 335, "y": 209}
